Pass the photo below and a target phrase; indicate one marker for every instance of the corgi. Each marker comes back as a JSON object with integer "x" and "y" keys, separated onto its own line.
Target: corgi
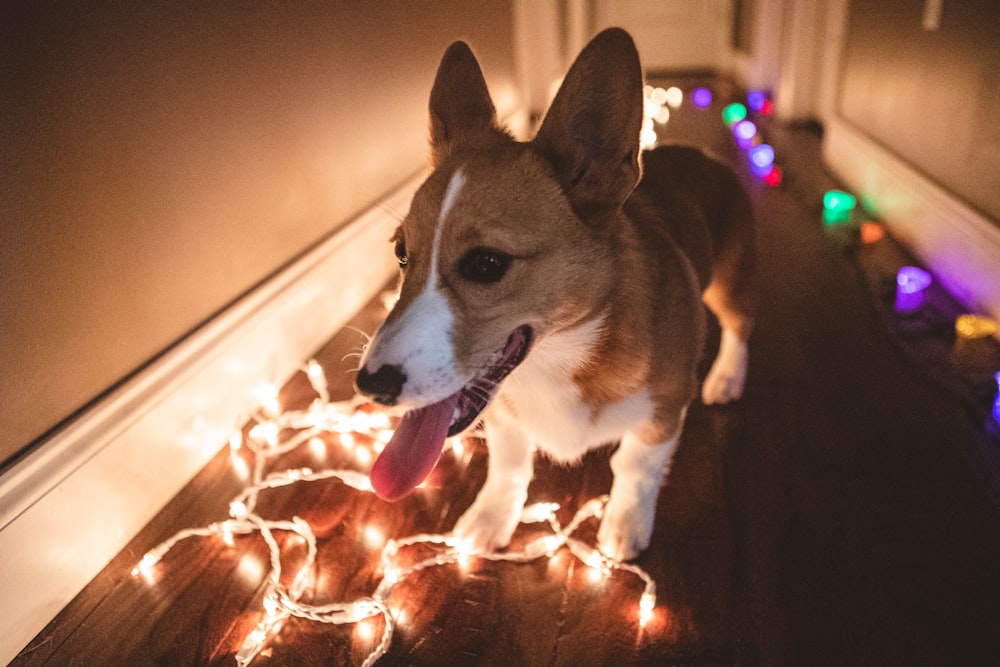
{"x": 555, "y": 289}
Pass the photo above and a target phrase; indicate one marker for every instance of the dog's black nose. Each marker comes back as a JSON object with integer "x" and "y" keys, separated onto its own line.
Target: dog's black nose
{"x": 383, "y": 386}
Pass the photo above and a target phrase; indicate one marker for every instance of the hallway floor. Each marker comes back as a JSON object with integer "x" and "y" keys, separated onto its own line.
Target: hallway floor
{"x": 845, "y": 512}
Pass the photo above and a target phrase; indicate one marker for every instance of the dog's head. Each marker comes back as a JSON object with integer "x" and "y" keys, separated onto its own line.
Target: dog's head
{"x": 504, "y": 243}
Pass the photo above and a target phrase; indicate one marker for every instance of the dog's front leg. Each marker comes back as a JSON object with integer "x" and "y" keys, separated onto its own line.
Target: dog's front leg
{"x": 490, "y": 521}
{"x": 639, "y": 470}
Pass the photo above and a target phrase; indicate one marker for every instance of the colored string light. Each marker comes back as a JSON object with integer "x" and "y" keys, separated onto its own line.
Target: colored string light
{"x": 996, "y": 401}
{"x": 278, "y": 432}
{"x": 745, "y": 131}
{"x": 838, "y": 206}
{"x": 701, "y": 97}
{"x": 733, "y": 113}
{"x": 871, "y": 232}
{"x": 911, "y": 283}
{"x": 756, "y": 100}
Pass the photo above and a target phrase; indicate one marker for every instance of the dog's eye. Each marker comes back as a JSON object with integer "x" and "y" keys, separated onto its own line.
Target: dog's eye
{"x": 400, "y": 250}
{"x": 483, "y": 265}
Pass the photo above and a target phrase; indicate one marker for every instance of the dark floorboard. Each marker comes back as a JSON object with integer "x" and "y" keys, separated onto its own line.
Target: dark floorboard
{"x": 844, "y": 512}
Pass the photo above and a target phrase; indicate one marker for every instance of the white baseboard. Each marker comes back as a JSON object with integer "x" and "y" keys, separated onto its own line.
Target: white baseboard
{"x": 71, "y": 505}
{"x": 960, "y": 246}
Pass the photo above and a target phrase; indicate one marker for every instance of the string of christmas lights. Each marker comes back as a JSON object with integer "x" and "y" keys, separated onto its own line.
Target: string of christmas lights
{"x": 277, "y": 432}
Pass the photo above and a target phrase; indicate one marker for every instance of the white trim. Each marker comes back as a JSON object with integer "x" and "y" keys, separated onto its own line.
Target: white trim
{"x": 961, "y": 246}
{"x": 72, "y": 504}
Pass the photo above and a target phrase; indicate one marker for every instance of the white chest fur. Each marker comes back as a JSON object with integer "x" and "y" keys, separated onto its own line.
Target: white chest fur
{"x": 547, "y": 403}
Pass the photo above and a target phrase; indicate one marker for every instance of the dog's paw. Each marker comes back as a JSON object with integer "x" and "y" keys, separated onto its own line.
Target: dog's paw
{"x": 722, "y": 386}
{"x": 488, "y": 524}
{"x": 729, "y": 372}
{"x": 626, "y": 528}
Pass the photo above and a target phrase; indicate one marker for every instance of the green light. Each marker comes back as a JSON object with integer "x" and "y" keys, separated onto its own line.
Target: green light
{"x": 734, "y": 113}
{"x": 837, "y": 206}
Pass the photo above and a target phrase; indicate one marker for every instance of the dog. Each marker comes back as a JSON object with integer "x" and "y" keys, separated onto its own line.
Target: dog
{"x": 556, "y": 288}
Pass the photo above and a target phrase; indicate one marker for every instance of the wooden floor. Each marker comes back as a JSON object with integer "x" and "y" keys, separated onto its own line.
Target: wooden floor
{"x": 845, "y": 512}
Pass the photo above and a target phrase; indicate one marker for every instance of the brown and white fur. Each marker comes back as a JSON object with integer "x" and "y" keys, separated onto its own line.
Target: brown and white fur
{"x": 608, "y": 257}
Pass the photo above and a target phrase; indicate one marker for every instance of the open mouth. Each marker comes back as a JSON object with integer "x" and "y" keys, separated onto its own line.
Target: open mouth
{"x": 414, "y": 449}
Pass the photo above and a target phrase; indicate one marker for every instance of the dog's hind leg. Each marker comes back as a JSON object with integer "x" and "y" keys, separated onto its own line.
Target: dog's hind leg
{"x": 728, "y": 374}
{"x": 732, "y": 296}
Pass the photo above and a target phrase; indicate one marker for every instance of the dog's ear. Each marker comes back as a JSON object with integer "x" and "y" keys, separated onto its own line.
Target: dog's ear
{"x": 591, "y": 132}
{"x": 461, "y": 109}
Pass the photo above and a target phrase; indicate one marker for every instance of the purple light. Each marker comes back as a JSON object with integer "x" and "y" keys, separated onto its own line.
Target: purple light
{"x": 702, "y": 97}
{"x": 756, "y": 100}
{"x": 761, "y": 160}
{"x": 996, "y": 401}
{"x": 910, "y": 285}
{"x": 744, "y": 131}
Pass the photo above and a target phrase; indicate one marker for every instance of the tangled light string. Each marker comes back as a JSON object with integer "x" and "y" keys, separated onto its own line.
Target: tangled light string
{"x": 278, "y": 432}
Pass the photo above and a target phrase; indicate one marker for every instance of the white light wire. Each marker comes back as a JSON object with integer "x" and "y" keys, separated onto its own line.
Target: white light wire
{"x": 276, "y": 434}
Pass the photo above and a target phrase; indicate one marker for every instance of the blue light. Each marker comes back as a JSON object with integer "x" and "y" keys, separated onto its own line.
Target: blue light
{"x": 756, "y": 100}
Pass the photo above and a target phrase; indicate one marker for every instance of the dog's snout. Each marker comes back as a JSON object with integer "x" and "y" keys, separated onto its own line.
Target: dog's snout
{"x": 383, "y": 386}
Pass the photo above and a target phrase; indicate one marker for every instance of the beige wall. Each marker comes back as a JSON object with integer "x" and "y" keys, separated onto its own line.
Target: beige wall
{"x": 931, "y": 95}
{"x": 160, "y": 158}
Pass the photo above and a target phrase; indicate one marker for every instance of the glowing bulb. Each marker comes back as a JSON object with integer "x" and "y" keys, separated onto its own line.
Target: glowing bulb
{"x": 317, "y": 446}
{"x": 659, "y": 95}
{"x": 663, "y": 116}
{"x": 674, "y": 97}
{"x": 267, "y": 395}
{"x": 374, "y": 537}
{"x": 538, "y": 512}
{"x": 911, "y": 282}
{"x": 227, "y": 535}
{"x": 348, "y": 440}
{"x": 733, "y": 113}
{"x": 235, "y": 440}
{"x": 773, "y": 177}
{"x": 837, "y": 206}
{"x": 974, "y": 327}
{"x": 996, "y": 401}
{"x": 744, "y": 131}
{"x": 265, "y": 432}
{"x": 366, "y": 630}
{"x": 647, "y": 603}
{"x": 647, "y": 138}
{"x": 650, "y": 107}
{"x": 146, "y": 566}
{"x": 761, "y": 156}
{"x": 871, "y": 232}
{"x": 363, "y": 455}
{"x": 238, "y": 510}
{"x": 317, "y": 378}
{"x": 270, "y": 605}
{"x": 756, "y": 100}
{"x": 701, "y": 97}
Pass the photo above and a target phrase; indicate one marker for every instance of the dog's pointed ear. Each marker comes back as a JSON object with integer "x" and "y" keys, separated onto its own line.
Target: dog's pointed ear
{"x": 591, "y": 132}
{"x": 461, "y": 109}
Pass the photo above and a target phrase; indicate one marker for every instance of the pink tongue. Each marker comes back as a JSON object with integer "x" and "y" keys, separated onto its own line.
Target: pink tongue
{"x": 413, "y": 450}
